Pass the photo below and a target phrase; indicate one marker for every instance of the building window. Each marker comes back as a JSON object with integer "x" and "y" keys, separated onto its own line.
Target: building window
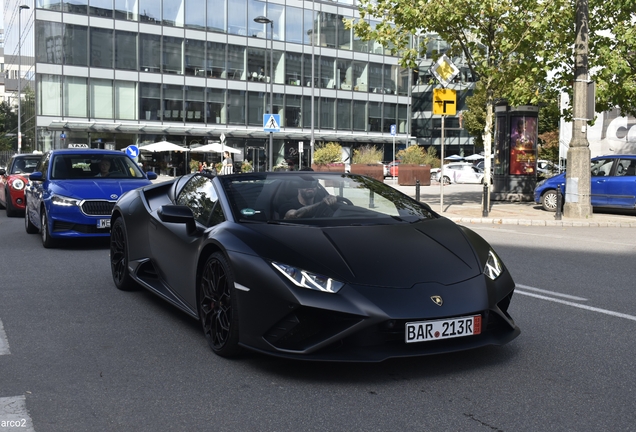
{"x": 257, "y": 66}
{"x": 126, "y": 100}
{"x": 50, "y": 95}
{"x": 149, "y": 53}
{"x": 101, "y": 97}
{"x": 150, "y": 11}
{"x": 359, "y": 115}
{"x": 344, "y": 114}
{"x": 195, "y": 57}
{"x": 293, "y": 68}
{"x": 327, "y": 113}
{"x": 216, "y": 60}
{"x": 126, "y": 10}
{"x": 101, "y": 8}
{"x": 293, "y": 111}
{"x": 75, "y": 45}
{"x": 327, "y": 72}
{"x": 173, "y": 103}
{"x": 255, "y": 108}
{"x": 235, "y": 62}
{"x": 48, "y": 42}
{"x": 195, "y": 104}
{"x": 217, "y": 16}
{"x": 294, "y": 25}
{"x": 307, "y": 110}
{"x": 216, "y": 111}
{"x": 173, "y": 13}
{"x": 237, "y": 21}
{"x": 49, "y": 4}
{"x": 344, "y": 74}
{"x": 172, "y": 55}
{"x": 236, "y": 107}
{"x": 149, "y": 101}
{"x": 194, "y": 16}
{"x": 76, "y": 6}
{"x": 375, "y": 117}
{"x": 277, "y": 14}
{"x": 125, "y": 50}
{"x": 101, "y": 47}
{"x": 75, "y": 97}
{"x": 389, "y": 117}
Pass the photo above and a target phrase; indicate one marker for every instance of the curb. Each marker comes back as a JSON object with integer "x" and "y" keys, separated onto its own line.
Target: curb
{"x": 534, "y": 222}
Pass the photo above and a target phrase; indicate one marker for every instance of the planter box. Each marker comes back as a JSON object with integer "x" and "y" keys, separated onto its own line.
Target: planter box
{"x": 335, "y": 167}
{"x": 375, "y": 171}
{"x": 408, "y": 174}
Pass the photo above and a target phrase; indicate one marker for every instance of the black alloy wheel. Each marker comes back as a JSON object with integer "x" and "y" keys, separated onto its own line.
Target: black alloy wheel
{"x": 119, "y": 257}
{"x": 28, "y": 225}
{"x": 218, "y": 310}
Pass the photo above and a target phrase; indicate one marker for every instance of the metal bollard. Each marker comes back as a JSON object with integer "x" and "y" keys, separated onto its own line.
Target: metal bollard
{"x": 559, "y": 203}
{"x": 484, "y": 212}
{"x": 417, "y": 190}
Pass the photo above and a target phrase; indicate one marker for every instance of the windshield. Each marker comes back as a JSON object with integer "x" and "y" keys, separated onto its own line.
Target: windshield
{"x": 317, "y": 198}
{"x": 83, "y": 165}
{"x": 24, "y": 165}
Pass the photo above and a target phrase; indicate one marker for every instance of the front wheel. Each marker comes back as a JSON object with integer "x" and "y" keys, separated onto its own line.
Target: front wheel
{"x": 549, "y": 201}
{"x": 447, "y": 180}
{"x": 47, "y": 241}
{"x": 28, "y": 225}
{"x": 119, "y": 257}
{"x": 218, "y": 311}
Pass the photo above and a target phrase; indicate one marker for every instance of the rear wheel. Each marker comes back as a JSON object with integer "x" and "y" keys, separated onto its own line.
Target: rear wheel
{"x": 28, "y": 226}
{"x": 119, "y": 257}
{"x": 218, "y": 310}
{"x": 47, "y": 241}
{"x": 446, "y": 180}
{"x": 549, "y": 201}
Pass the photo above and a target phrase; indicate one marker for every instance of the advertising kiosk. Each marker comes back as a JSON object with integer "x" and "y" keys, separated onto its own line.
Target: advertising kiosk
{"x": 515, "y": 153}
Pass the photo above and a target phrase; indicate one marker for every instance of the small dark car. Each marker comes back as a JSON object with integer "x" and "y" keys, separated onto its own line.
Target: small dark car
{"x": 310, "y": 282}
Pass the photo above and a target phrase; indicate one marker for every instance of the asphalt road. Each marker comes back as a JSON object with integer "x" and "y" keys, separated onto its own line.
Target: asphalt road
{"x": 78, "y": 355}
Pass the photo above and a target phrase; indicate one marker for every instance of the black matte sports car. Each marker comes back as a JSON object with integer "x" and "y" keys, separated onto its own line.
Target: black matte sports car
{"x": 312, "y": 265}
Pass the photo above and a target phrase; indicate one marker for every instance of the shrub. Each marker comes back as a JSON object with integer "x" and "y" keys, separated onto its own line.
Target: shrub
{"x": 246, "y": 167}
{"x": 328, "y": 153}
{"x": 416, "y": 155}
{"x": 367, "y": 154}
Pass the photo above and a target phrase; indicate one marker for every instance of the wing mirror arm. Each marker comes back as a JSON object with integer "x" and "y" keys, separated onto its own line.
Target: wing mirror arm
{"x": 178, "y": 214}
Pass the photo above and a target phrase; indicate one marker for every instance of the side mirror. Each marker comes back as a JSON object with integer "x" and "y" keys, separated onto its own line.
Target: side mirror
{"x": 2, "y": 171}
{"x": 151, "y": 175}
{"x": 36, "y": 176}
{"x": 178, "y": 214}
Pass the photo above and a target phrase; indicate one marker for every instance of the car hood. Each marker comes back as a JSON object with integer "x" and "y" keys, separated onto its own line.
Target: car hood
{"x": 107, "y": 189}
{"x": 398, "y": 255}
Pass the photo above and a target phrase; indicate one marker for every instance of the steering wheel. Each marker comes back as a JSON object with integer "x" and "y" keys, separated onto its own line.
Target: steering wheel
{"x": 343, "y": 200}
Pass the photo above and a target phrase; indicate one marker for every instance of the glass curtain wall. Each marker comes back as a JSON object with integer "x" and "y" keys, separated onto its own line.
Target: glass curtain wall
{"x": 101, "y": 98}
{"x": 125, "y": 50}
{"x": 101, "y": 8}
{"x": 195, "y": 14}
{"x": 217, "y": 15}
{"x": 101, "y": 47}
{"x": 126, "y": 10}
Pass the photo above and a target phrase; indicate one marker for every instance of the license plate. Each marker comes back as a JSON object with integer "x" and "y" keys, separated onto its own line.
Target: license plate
{"x": 425, "y": 331}
{"x": 103, "y": 223}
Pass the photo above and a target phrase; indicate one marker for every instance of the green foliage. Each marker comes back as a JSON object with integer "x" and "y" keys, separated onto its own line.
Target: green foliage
{"x": 416, "y": 155}
{"x": 549, "y": 146}
{"x": 328, "y": 153}
{"x": 194, "y": 165}
{"x": 246, "y": 167}
{"x": 367, "y": 154}
{"x": 8, "y": 125}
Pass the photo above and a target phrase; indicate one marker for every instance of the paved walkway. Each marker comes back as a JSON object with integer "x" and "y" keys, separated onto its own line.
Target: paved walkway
{"x": 463, "y": 204}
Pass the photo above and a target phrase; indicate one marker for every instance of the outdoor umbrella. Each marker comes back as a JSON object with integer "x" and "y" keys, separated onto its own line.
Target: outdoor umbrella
{"x": 215, "y": 148}
{"x": 454, "y": 158}
{"x": 162, "y": 146}
{"x": 474, "y": 157}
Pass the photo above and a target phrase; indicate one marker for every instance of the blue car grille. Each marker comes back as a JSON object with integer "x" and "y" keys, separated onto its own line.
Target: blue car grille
{"x": 98, "y": 208}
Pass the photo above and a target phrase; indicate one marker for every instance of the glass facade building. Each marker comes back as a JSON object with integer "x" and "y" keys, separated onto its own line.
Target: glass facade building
{"x": 112, "y": 73}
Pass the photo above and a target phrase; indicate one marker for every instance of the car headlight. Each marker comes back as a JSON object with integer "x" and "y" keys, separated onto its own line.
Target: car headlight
{"x": 64, "y": 201}
{"x": 17, "y": 184}
{"x": 493, "y": 267}
{"x": 305, "y": 279}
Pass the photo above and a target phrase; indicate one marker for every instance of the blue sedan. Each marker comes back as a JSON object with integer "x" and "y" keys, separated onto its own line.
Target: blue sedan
{"x": 72, "y": 192}
{"x": 613, "y": 184}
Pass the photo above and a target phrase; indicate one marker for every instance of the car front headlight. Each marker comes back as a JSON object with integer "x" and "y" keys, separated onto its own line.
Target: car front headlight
{"x": 305, "y": 279}
{"x": 493, "y": 267}
{"x": 18, "y": 184}
{"x": 64, "y": 201}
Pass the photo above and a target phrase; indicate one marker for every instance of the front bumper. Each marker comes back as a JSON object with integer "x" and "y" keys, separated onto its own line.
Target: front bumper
{"x": 72, "y": 222}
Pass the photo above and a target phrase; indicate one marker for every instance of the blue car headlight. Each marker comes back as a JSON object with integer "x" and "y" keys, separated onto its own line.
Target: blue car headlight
{"x": 64, "y": 201}
{"x": 493, "y": 267}
{"x": 305, "y": 279}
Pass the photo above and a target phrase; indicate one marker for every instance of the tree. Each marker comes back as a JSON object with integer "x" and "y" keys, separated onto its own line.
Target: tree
{"x": 8, "y": 125}
{"x": 511, "y": 45}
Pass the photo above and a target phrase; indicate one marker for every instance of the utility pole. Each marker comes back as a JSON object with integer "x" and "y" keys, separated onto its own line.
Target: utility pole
{"x": 577, "y": 178}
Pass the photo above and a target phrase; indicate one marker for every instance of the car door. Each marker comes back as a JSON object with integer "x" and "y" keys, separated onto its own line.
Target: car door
{"x": 174, "y": 250}
{"x": 621, "y": 185}
{"x": 600, "y": 173}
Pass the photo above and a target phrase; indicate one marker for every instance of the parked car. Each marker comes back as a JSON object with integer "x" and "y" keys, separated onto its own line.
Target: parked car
{"x": 13, "y": 181}
{"x": 220, "y": 249}
{"x": 613, "y": 184}
{"x": 459, "y": 172}
{"x": 545, "y": 168}
{"x": 391, "y": 168}
{"x": 72, "y": 192}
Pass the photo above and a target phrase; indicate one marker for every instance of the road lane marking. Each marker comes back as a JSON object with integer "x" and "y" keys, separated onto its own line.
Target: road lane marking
{"x": 14, "y": 415}
{"x": 4, "y": 342}
{"x": 580, "y": 306}
{"x": 571, "y": 297}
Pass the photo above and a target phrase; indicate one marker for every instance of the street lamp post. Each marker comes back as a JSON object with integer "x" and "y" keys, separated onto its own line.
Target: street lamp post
{"x": 22, "y": 7}
{"x": 270, "y": 151}
{"x": 313, "y": 84}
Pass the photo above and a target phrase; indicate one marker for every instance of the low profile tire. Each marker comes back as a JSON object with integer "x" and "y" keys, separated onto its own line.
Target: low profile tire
{"x": 446, "y": 180}
{"x": 119, "y": 257}
{"x": 11, "y": 211}
{"x": 47, "y": 241}
{"x": 549, "y": 201}
{"x": 217, "y": 306}
{"x": 28, "y": 226}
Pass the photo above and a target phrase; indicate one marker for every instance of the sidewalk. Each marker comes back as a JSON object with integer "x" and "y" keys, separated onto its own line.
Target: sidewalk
{"x": 463, "y": 204}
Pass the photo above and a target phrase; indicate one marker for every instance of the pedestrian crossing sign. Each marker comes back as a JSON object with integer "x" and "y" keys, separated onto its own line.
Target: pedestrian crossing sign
{"x": 271, "y": 122}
